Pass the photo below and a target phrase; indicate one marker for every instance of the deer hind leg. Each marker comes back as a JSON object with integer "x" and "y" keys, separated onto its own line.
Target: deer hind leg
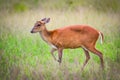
{"x": 87, "y": 57}
{"x": 98, "y": 53}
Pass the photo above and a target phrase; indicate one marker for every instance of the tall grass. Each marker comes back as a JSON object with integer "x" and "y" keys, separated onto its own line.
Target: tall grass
{"x": 25, "y": 5}
{"x": 24, "y": 56}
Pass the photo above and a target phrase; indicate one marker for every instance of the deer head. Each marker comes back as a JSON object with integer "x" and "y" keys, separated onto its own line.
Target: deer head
{"x": 40, "y": 25}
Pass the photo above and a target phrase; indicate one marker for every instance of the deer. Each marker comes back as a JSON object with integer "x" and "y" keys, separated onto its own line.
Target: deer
{"x": 70, "y": 37}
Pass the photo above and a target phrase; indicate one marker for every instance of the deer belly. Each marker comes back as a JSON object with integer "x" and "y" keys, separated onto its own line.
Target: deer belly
{"x": 72, "y": 45}
{"x": 68, "y": 44}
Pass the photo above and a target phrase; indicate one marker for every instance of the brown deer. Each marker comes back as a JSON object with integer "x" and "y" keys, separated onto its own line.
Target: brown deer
{"x": 74, "y": 36}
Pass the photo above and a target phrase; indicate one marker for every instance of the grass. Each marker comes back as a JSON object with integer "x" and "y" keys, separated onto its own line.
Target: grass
{"x": 24, "y": 56}
{"x": 25, "y": 5}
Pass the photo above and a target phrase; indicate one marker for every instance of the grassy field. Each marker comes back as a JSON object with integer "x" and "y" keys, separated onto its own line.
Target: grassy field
{"x": 25, "y": 56}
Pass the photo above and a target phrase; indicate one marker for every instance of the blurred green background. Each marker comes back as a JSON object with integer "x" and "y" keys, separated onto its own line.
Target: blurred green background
{"x": 25, "y": 56}
{"x": 25, "y": 5}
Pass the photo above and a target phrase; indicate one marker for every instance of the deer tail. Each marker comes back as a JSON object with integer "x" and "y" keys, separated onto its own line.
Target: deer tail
{"x": 101, "y": 37}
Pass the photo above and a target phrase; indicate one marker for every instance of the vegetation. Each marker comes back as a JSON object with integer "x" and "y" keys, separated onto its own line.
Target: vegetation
{"x": 25, "y": 56}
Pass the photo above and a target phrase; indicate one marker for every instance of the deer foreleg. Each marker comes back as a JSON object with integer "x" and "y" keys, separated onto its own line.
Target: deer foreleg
{"x": 52, "y": 53}
{"x": 60, "y": 55}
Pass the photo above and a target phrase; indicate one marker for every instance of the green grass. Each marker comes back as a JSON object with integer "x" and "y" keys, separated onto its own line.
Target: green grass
{"x": 26, "y": 56}
{"x": 25, "y": 5}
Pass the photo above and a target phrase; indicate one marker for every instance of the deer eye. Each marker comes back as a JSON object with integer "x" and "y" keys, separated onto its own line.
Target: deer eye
{"x": 38, "y": 25}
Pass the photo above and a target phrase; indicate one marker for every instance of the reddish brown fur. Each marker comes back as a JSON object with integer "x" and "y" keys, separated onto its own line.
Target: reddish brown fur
{"x": 73, "y": 36}
{"x": 70, "y": 37}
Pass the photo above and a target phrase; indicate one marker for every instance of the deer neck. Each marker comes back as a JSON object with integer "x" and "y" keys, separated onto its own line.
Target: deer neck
{"x": 45, "y": 34}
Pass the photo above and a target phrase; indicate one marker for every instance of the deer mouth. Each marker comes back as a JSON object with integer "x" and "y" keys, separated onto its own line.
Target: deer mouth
{"x": 32, "y": 31}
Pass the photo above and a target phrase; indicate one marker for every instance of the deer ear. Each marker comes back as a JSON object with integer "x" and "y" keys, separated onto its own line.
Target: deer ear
{"x": 43, "y": 19}
{"x": 48, "y": 20}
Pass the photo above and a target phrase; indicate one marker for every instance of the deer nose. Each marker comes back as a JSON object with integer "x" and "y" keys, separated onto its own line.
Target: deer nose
{"x": 31, "y": 31}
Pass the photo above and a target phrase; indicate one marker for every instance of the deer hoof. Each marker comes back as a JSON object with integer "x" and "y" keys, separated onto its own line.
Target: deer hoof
{"x": 59, "y": 61}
